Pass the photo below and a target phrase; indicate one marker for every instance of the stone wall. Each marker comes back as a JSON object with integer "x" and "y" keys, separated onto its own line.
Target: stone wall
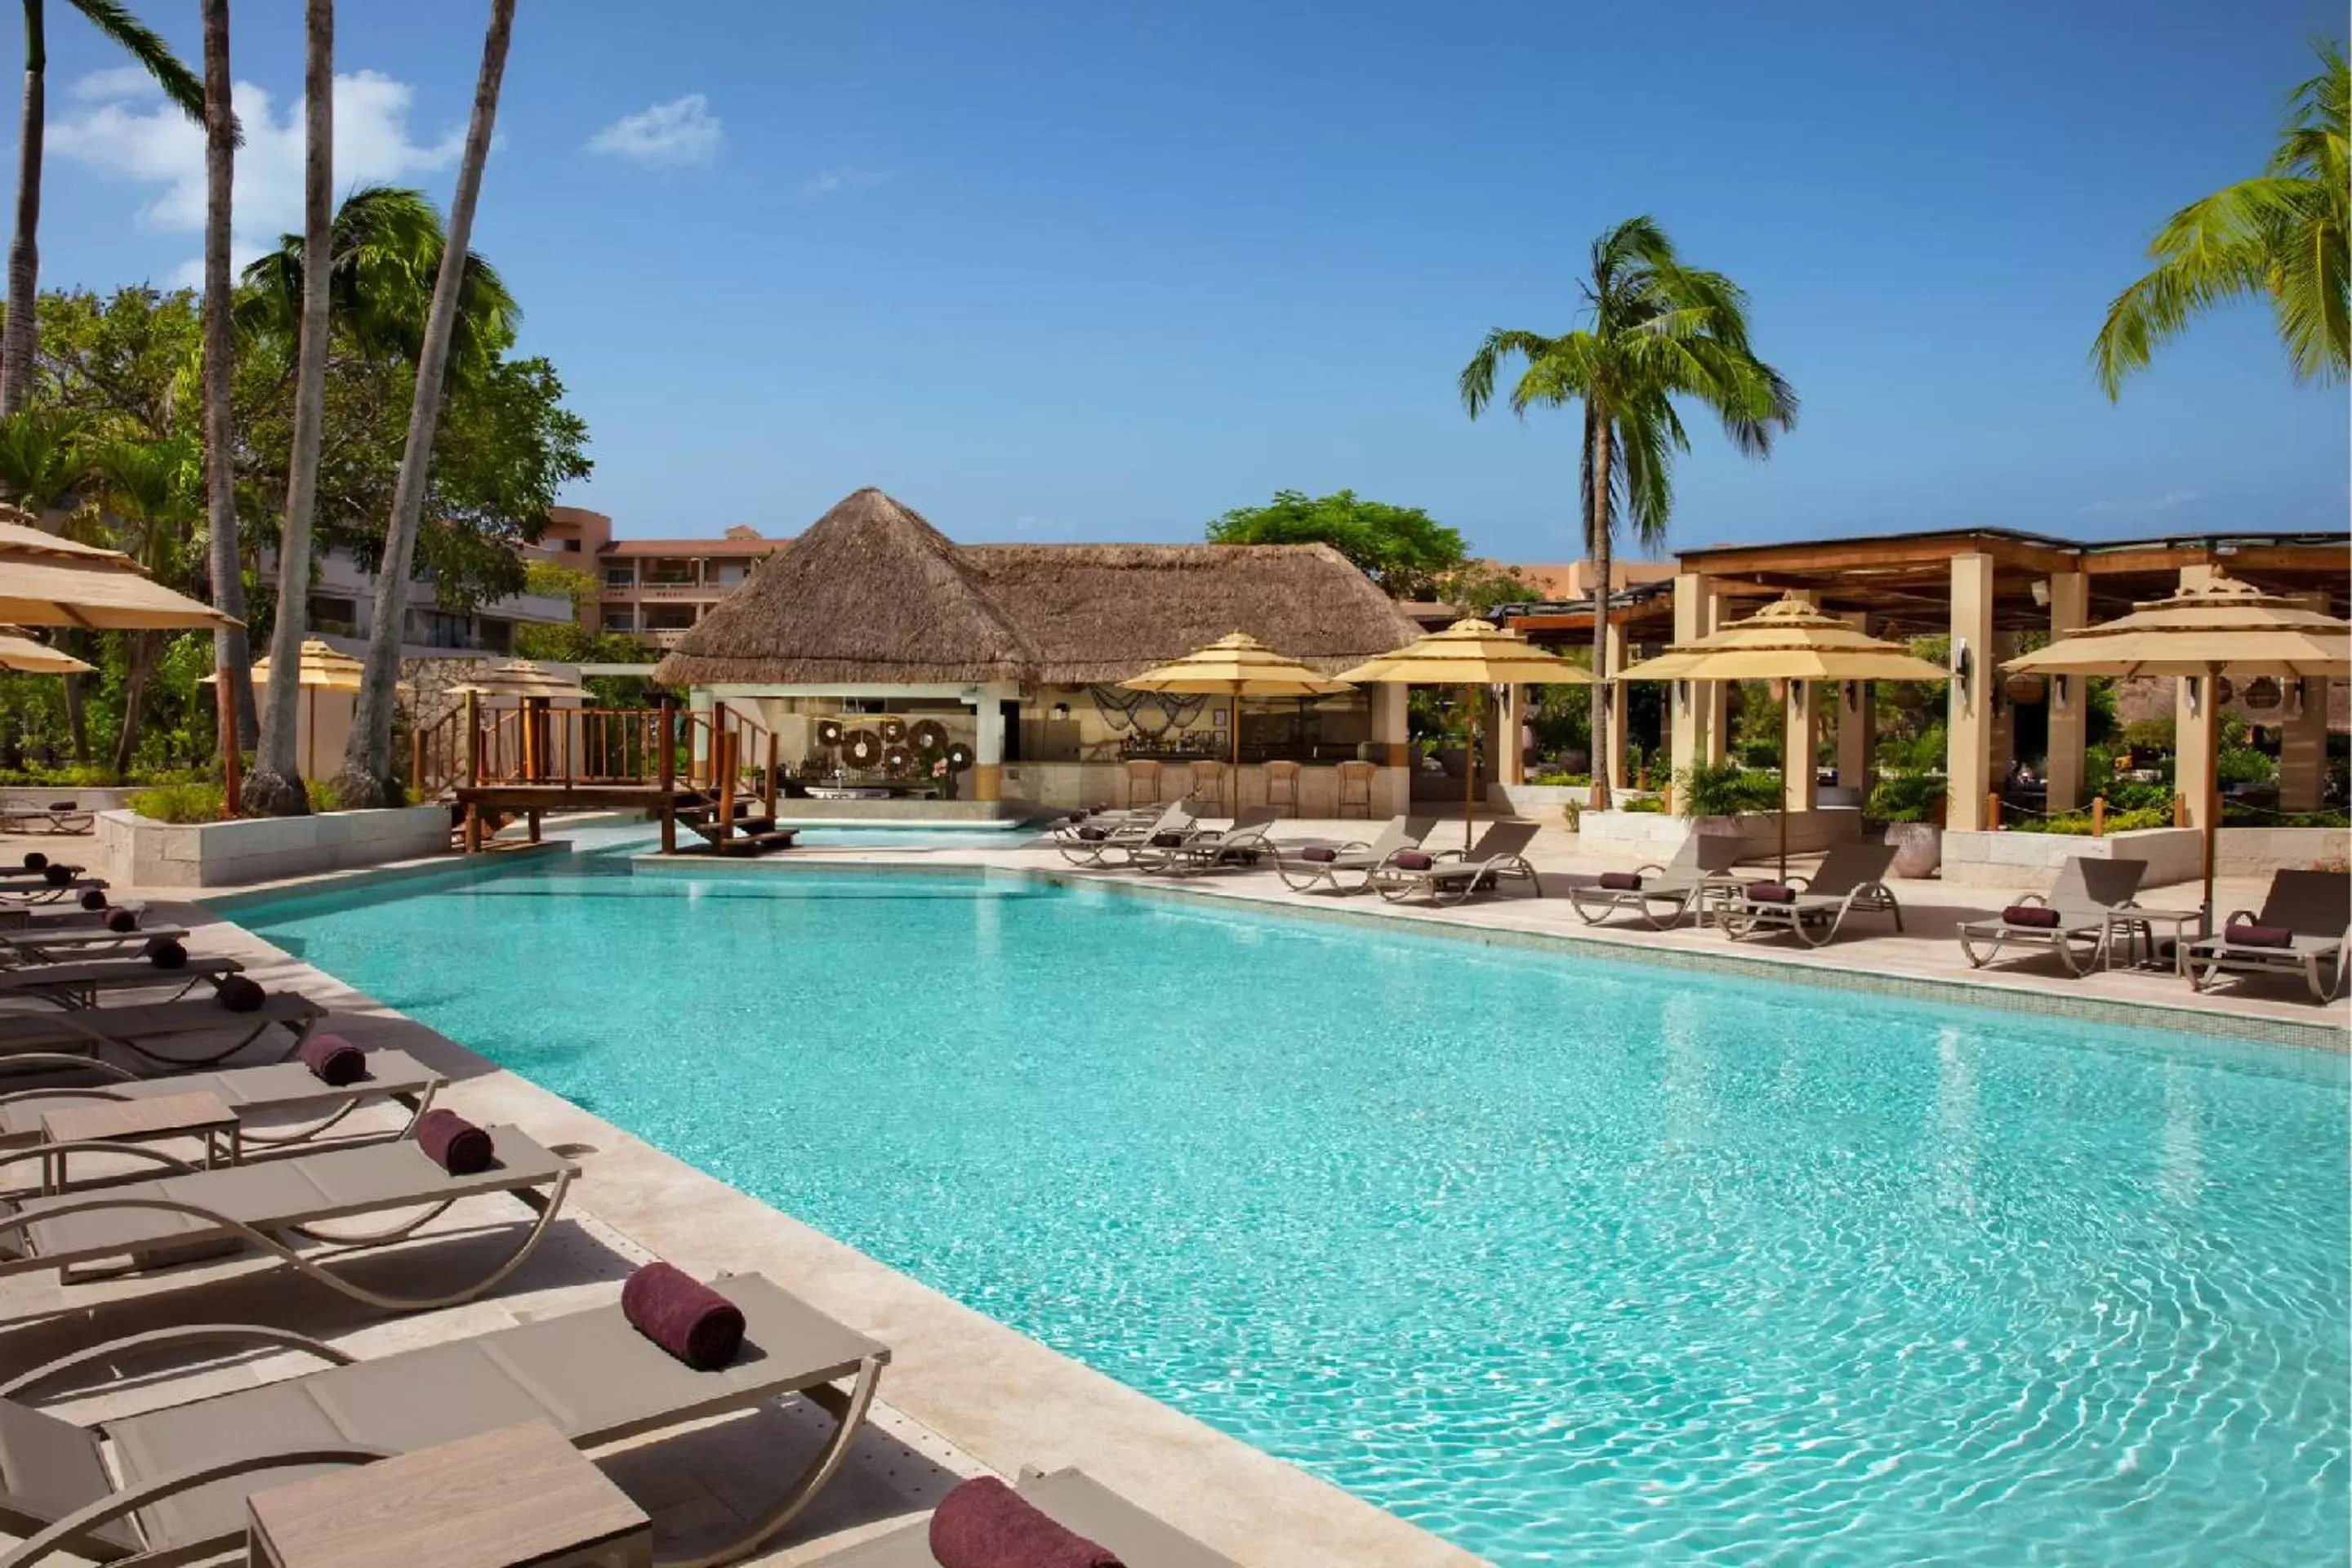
{"x": 1654, "y": 836}
{"x": 135, "y": 851}
{"x": 2174, "y": 855}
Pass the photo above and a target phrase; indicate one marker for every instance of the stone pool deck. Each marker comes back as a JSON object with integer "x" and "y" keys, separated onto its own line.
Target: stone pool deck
{"x": 965, "y": 1394}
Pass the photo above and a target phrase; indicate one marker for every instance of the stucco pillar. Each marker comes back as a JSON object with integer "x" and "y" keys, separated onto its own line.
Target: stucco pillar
{"x": 698, "y": 701}
{"x": 1968, "y": 760}
{"x": 1616, "y": 656}
{"x": 2004, "y": 712}
{"x": 1856, "y": 714}
{"x": 1391, "y": 747}
{"x": 1801, "y": 736}
{"x": 2303, "y": 745}
{"x": 1696, "y": 709}
{"x": 2196, "y": 717}
{"x": 2070, "y": 707}
{"x": 988, "y": 748}
{"x": 1510, "y": 720}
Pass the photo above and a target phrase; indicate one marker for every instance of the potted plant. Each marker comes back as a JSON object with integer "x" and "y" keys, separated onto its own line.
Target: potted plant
{"x": 1912, "y": 806}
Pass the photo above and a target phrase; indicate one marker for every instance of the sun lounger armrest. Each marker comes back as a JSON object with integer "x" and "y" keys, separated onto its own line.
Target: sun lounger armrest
{"x": 63, "y": 1062}
{"x": 107, "y": 1510}
{"x": 1651, "y": 869}
{"x": 93, "y": 1146}
{"x": 1803, "y": 884}
{"x": 2023, "y": 899}
{"x": 2240, "y": 917}
{"x": 132, "y": 1345}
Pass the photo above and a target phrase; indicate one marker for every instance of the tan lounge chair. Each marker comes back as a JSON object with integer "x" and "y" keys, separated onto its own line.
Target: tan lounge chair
{"x": 1071, "y": 1498}
{"x": 23, "y": 890}
{"x": 1198, "y": 848}
{"x": 278, "y": 1091}
{"x": 171, "y": 1485}
{"x": 1303, "y": 867}
{"x": 55, "y": 942}
{"x": 199, "y": 1024}
{"x": 200, "y": 1212}
{"x": 1454, "y": 875}
{"x": 77, "y": 982}
{"x": 1850, "y": 877}
{"x": 1669, "y": 893}
{"x": 2314, "y": 908}
{"x": 57, "y": 816}
{"x": 1116, "y": 843}
{"x": 2088, "y": 896}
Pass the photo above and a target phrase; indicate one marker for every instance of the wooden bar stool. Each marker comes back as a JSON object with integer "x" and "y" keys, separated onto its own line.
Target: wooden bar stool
{"x": 1142, "y": 781}
{"x": 1282, "y": 788}
{"x": 1209, "y": 784}
{"x": 1356, "y": 786}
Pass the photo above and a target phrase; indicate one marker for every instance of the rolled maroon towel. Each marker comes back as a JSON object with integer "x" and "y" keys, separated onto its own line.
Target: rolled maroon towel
{"x": 984, "y": 1523}
{"x": 683, "y": 1316}
{"x": 64, "y": 806}
{"x": 1167, "y": 840}
{"x": 121, "y": 920}
{"x": 57, "y": 875}
{"x": 1094, "y": 834}
{"x": 1771, "y": 893}
{"x": 165, "y": 953}
{"x": 240, "y": 994}
{"x": 1622, "y": 881}
{"x": 454, "y": 1143}
{"x": 93, "y": 899}
{"x": 1412, "y": 860}
{"x": 2038, "y": 916}
{"x": 1323, "y": 852}
{"x": 2257, "y": 936}
{"x": 333, "y": 1060}
{"x": 36, "y": 861}
{"x": 1082, "y": 814}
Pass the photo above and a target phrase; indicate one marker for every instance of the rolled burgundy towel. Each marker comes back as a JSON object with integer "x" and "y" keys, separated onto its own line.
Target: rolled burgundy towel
{"x": 1771, "y": 893}
{"x": 1323, "y": 852}
{"x": 57, "y": 875}
{"x": 1094, "y": 834}
{"x": 984, "y": 1523}
{"x": 240, "y": 994}
{"x": 1167, "y": 840}
{"x": 123, "y": 920}
{"x": 64, "y": 806}
{"x": 165, "y": 953}
{"x": 1412, "y": 860}
{"x": 1082, "y": 814}
{"x": 1622, "y": 881}
{"x": 2040, "y": 917}
{"x": 454, "y": 1143}
{"x": 36, "y": 861}
{"x": 683, "y": 1316}
{"x": 333, "y": 1060}
{"x": 93, "y": 899}
{"x": 2257, "y": 936}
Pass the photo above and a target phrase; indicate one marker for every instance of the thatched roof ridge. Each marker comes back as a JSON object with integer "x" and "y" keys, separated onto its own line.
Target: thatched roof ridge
{"x": 872, "y": 593}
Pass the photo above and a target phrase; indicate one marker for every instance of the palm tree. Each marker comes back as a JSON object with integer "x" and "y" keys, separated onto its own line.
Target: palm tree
{"x": 152, "y": 495}
{"x": 1655, "y": 330}
{"x": 2280, "y": 235}
{"x": 179, "y": 84}
{"x": 40, "y": 467}
{"x": 232, "y": 654}
{"x": 366, "y": 778}
{"x": 276, "y": 788}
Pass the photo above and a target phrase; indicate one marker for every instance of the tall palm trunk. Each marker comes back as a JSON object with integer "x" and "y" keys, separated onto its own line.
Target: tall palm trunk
{"x": 366, "y": 779}
{"x": 134, "y": 699}
{"x": 232, "y": 653}
{"x": 1601, "y": 524}
{"x": 276, "y": 785}
{"x": 17, "y": 336}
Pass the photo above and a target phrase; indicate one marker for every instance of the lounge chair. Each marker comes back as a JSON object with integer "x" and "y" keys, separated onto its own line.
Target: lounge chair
{"x": 176, "y": 1485}
{"x": 53, "y": 942}
{"x": 2084, "y": 905}
{"x": 57, "y": 816}
{"x": 77, "y": 982}
{"x": 2313, "y": 908}
{"x": 1666, "y": 894}
{"x": 23, "y": 890}
{"x": 1198, "y": 848}
{"x": 1452, "y": 875}
{"x": 142, "y": 1028}
{"x": 1093, "y": 845}
{"x": 1071, "y": 1498}
{"x": 1850, "y": 877}
{"x": 278, "y": 1090}
{"x": 1306, "y": 867}
{"x": 202, "y": 1212}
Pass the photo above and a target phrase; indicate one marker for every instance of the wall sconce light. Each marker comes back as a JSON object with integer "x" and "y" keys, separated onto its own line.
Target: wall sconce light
{"x": 1853, "y": 695}
{"x": 1964, "y": 666}
{"x": 2041, "y": 591}
{"x": 1061, "y": 710}
{"x": 1682, "y": 695}
{"x": 2058, "y": 694}
{"x": 2196, "y": 686}
{"x": 2295, "y": 697}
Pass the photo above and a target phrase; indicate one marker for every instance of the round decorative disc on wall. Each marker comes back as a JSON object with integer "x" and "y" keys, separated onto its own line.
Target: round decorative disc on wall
{"x": 861, "y": 748}
{"x": 896, "y": 760}
{"x": 893, "y": 730}
{"x": 960, "y": 757}
{"x": 828, "y": 732}
{"x": 929, "y": 735}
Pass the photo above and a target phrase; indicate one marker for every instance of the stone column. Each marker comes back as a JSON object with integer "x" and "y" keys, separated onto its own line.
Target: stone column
{"x": 1857, "y": 713}
{"x": 1510, "y": 716}
{"x": 987, "y": 747}
{"x": 1696, "y": 709}
{"x": 2303, "y": 745}
{"x": 1968, "y": 721}
{"x": 1616, "y": 654}
{"x": 2196, "y": 719}
{"x": 1801, "y": 736}
{"x": 2070, "y": 707}
{"x": 1391, "y": 748}
{"x": 2004, "y": 712}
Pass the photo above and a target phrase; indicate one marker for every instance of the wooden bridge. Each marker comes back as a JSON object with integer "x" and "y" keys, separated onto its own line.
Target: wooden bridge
{"x": 713, "y": 774}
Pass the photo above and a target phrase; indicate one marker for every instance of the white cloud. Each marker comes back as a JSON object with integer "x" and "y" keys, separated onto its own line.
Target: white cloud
{"x": 682, "y": 131}
{"x": 831, "y": 182}
{"x": 133, "y": 134}
{"x": 2165, "y": 502}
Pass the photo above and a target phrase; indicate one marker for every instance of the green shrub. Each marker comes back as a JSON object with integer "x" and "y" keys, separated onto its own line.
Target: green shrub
{"x": 2078, "y": 823}
{"x": 1558, "y": 780}
{"x": 1724, "y": 789}
{"x": 2247, "y": 816}
{"x": 1907, "y": 797}
{"x": 2138, "y": 795}
{"x": 179, "y": 802}
{"x": 2149, "y": 735}
{"x": 1651, "y": 804}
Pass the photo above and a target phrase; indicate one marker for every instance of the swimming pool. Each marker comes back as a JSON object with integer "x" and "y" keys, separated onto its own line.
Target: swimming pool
{"x": 1567, "y": 1260}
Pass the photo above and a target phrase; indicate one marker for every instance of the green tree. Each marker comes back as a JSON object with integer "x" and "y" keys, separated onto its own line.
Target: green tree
{"x": 179, "y": 84}
{"x": 1401, "y": 548}
{"x": 150, "y": 495}
{"x": 1656, "y": 332}
{"x": 1476, "y": 587}
{"x": 2281, "y": 234}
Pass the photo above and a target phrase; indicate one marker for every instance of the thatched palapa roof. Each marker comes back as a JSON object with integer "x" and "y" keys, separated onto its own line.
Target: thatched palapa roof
{"x": 873, "y": 592}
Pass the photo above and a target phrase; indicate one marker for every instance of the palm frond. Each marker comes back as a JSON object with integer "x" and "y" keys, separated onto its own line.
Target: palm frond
{"x": 142, "y": 43}
{"x": 1477, "y": 379}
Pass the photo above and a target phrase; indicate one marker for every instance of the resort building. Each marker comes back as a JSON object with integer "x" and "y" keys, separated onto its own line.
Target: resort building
{"x": 655, "y": 590}
{"x": 342, "y": 610}
{"x": 872, "y": 622}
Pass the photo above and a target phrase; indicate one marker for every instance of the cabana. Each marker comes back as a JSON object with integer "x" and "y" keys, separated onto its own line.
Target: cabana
{"x": 877, "y": 650}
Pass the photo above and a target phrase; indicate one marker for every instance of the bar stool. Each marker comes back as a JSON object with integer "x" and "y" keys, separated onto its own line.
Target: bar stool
{"x": 1142, "y": 781}
{"x": 1356, "y": 786}
{"x": 1282, "y": 788}
{"x": 1209, "y": 784}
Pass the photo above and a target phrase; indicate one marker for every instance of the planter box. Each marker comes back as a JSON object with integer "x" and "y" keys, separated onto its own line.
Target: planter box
{"x": 1653, "y": 835}
{"x": 141, "y": 853}
{"x": 105, "y": 798}
{"x": 2030, "y": 861}
{"x": 1538, "y": 803}
{"x": 2259, "y": 851}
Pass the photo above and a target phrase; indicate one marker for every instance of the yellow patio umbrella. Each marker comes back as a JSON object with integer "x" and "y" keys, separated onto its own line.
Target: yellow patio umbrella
{"x": 25, "y": 655}
{"x": 322, "y": 669}
{"x": 46, "y": 581}
{"x": 2218, "y": 627}
{"x": 1787, "y": 640}
{"x": 1477, "y": 655}
{"x": 521, "y": 677}
{"x": 1234, "y": 668}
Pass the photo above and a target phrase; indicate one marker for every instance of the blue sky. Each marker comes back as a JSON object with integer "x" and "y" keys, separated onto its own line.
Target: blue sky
{"x": 1101, "y": 271}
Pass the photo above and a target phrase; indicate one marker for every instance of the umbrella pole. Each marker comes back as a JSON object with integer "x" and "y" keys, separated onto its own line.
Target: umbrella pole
{"x": 1235, "y": 718}
{"x": 2213, "y": 798}
{"x": 1470, "y": 772}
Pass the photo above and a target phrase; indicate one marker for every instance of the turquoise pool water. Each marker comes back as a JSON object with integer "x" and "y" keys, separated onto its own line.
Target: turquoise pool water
{"x": 1567, "y": 1260}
